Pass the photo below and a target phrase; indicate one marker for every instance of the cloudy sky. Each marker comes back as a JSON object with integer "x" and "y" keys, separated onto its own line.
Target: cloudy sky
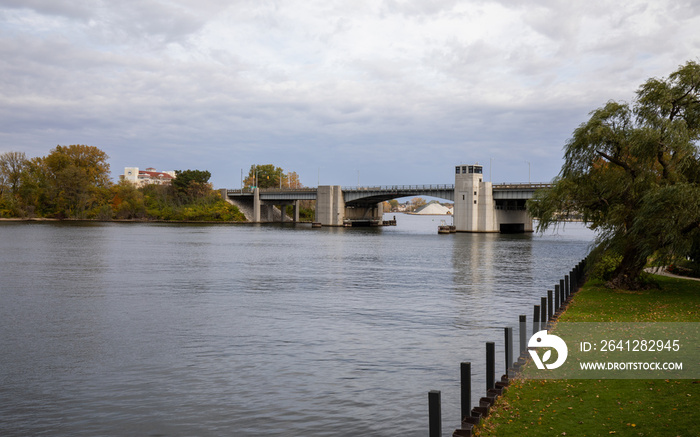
{"x": 390, "y": 91}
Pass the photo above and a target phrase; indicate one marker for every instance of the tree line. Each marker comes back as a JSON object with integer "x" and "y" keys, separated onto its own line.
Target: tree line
{"x": 72, "y": 182}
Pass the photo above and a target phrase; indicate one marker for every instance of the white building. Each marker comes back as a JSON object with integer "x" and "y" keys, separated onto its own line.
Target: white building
{"x": 148, "y": 176}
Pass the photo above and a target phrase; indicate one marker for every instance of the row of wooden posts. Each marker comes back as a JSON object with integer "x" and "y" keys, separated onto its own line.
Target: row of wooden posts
{"x": 551, "y": 306}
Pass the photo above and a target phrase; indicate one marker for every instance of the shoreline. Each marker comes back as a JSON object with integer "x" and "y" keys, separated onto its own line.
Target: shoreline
{"x": 55, "y": 220}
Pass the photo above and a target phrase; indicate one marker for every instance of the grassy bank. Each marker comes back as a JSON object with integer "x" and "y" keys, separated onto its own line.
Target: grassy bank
{"x": 608, "y": 407}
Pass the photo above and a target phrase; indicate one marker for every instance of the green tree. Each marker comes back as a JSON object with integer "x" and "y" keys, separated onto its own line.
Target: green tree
{"x": 265, "y": 176}
{"x": 192, "y": 184}
{"x": 632, "y": 173}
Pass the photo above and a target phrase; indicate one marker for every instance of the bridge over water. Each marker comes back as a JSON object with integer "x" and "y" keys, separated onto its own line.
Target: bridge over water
{"x": 479, "y": 206}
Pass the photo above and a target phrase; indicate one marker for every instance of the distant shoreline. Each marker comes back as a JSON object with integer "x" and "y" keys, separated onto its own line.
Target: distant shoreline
{"x": 55, "y": 220}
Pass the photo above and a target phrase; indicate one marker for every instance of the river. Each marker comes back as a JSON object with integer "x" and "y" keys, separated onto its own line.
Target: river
{"x": 249, "y": 330}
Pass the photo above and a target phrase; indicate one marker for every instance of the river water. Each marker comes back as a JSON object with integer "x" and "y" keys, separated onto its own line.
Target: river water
{"x": 249, "y": 330}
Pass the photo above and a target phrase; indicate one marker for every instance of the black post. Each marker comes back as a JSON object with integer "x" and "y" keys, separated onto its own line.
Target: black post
{"x": 466, "y": 376}
{"x": 490, "y": 365}
{"x": 560, "y": 293}
{"x": 509, "y": 348}
{"x": 523, "y": 334}
{"x": 574, "y": 276}
{"x": 557, "y": 300}
{"x": 543, "y": 313}
{"x": 567, "y": 283}
{"x": 536, "y": 319}
{"x": 434, "y": 413}
{"x": 550, "y": 305}
{"x": 561, "y": 286}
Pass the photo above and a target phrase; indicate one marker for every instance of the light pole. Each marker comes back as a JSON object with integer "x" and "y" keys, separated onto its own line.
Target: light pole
{"x": 528, "y": 172}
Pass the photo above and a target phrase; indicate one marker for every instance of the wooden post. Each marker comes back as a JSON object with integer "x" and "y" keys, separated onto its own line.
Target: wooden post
{"x": 550, "y": 305}
{"x": 557, "y": 299}
{"x": 543, "y": 313}
{"x": 561, "y": 287}
{"x": 509, "y": 348}
{"x": 567, "y": 284}
{"x": 536, "y": 319}
{"x": 560, "y": 292}
{"x": 434, "y": 413}
{"x": 490, "y": 365}
{"x": 523, "y": 334}
{"x": 466, "y": 379}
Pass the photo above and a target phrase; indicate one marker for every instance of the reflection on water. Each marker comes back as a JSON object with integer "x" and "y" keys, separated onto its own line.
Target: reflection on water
{"x": 151, "y": 329}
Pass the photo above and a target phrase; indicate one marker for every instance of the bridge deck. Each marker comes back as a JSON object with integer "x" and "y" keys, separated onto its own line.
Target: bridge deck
{"x": 383, "y": 193}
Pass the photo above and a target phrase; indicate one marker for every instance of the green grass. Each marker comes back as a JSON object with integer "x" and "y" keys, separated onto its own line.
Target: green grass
{"x": 608, "y": 407}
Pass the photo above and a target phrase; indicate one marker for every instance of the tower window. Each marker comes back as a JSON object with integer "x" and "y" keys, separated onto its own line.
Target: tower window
{"x": 475, "y": 202}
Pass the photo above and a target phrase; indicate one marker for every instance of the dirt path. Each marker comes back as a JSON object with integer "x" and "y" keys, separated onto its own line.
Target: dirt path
{"x": 663, "y": 272}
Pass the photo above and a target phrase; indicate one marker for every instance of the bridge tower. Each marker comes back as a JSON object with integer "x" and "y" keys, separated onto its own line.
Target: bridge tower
{"x": 474, "y": 204}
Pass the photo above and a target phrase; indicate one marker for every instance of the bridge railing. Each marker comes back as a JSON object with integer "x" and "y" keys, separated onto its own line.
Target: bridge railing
{"x": 271, "y": 190}
{"x": 526, "y": 185}
{"x": 390, "y": 188}
{"x": 402, "y": 188}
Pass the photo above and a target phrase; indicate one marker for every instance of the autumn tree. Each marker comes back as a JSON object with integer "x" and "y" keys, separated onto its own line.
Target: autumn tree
{"x": 68, "y": 182}
{"x": 12, "y": 164}
{"x": 417, "y": 202}
{"x": 269, "y": 176}
{"x": 633, "y": 173}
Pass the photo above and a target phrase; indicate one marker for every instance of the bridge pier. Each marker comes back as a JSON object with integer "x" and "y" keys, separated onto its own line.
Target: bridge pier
{"x": 330, "y": 205}
{"x": 256, "y": 205}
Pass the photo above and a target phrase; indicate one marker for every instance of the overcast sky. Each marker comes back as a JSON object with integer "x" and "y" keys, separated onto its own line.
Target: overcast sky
{"x": 392, "y": 91}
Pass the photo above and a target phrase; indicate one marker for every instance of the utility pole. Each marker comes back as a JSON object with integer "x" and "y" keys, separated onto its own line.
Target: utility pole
{"x": 528, "y": 172}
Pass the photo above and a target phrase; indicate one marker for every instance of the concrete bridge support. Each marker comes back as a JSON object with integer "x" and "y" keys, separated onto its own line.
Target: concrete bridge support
{"x": 330, "y": 205}
{"x": 264, "y": 210}
{"x": 368, "y": 213}
{"x": 476, "y": 209}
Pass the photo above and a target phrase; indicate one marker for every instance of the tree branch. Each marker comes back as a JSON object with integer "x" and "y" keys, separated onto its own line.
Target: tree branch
{"x": 616, "y": 161}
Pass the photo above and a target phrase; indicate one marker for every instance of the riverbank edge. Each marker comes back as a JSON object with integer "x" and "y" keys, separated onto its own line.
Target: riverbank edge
{"x": 204, "y": 222}
{"x": 504, "y": 419}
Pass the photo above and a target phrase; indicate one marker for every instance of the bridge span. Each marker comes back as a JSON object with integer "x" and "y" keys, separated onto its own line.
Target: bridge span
{"x": 479, "y": 206}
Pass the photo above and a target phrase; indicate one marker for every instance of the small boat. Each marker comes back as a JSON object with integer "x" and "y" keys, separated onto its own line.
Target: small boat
{"x": 444, "y": 228}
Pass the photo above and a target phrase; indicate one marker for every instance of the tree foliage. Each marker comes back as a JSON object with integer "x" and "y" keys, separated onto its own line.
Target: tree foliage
{"x": 269, "y": 176}
{"x": 192, "y": 184}
{"x": 632, "y": 173}
{"x": 73, "y": 182}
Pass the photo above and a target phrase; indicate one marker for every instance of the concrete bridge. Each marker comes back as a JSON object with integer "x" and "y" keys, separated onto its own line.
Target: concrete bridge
{"x": 479, "y": 206}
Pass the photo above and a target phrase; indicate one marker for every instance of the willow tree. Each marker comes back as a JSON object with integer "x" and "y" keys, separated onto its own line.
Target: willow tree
{"x": 632, "y": 173}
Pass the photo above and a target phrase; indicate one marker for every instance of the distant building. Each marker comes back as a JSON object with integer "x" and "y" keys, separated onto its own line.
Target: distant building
{"x": 433, "y": 208}
{"x": 148, "y": 176}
